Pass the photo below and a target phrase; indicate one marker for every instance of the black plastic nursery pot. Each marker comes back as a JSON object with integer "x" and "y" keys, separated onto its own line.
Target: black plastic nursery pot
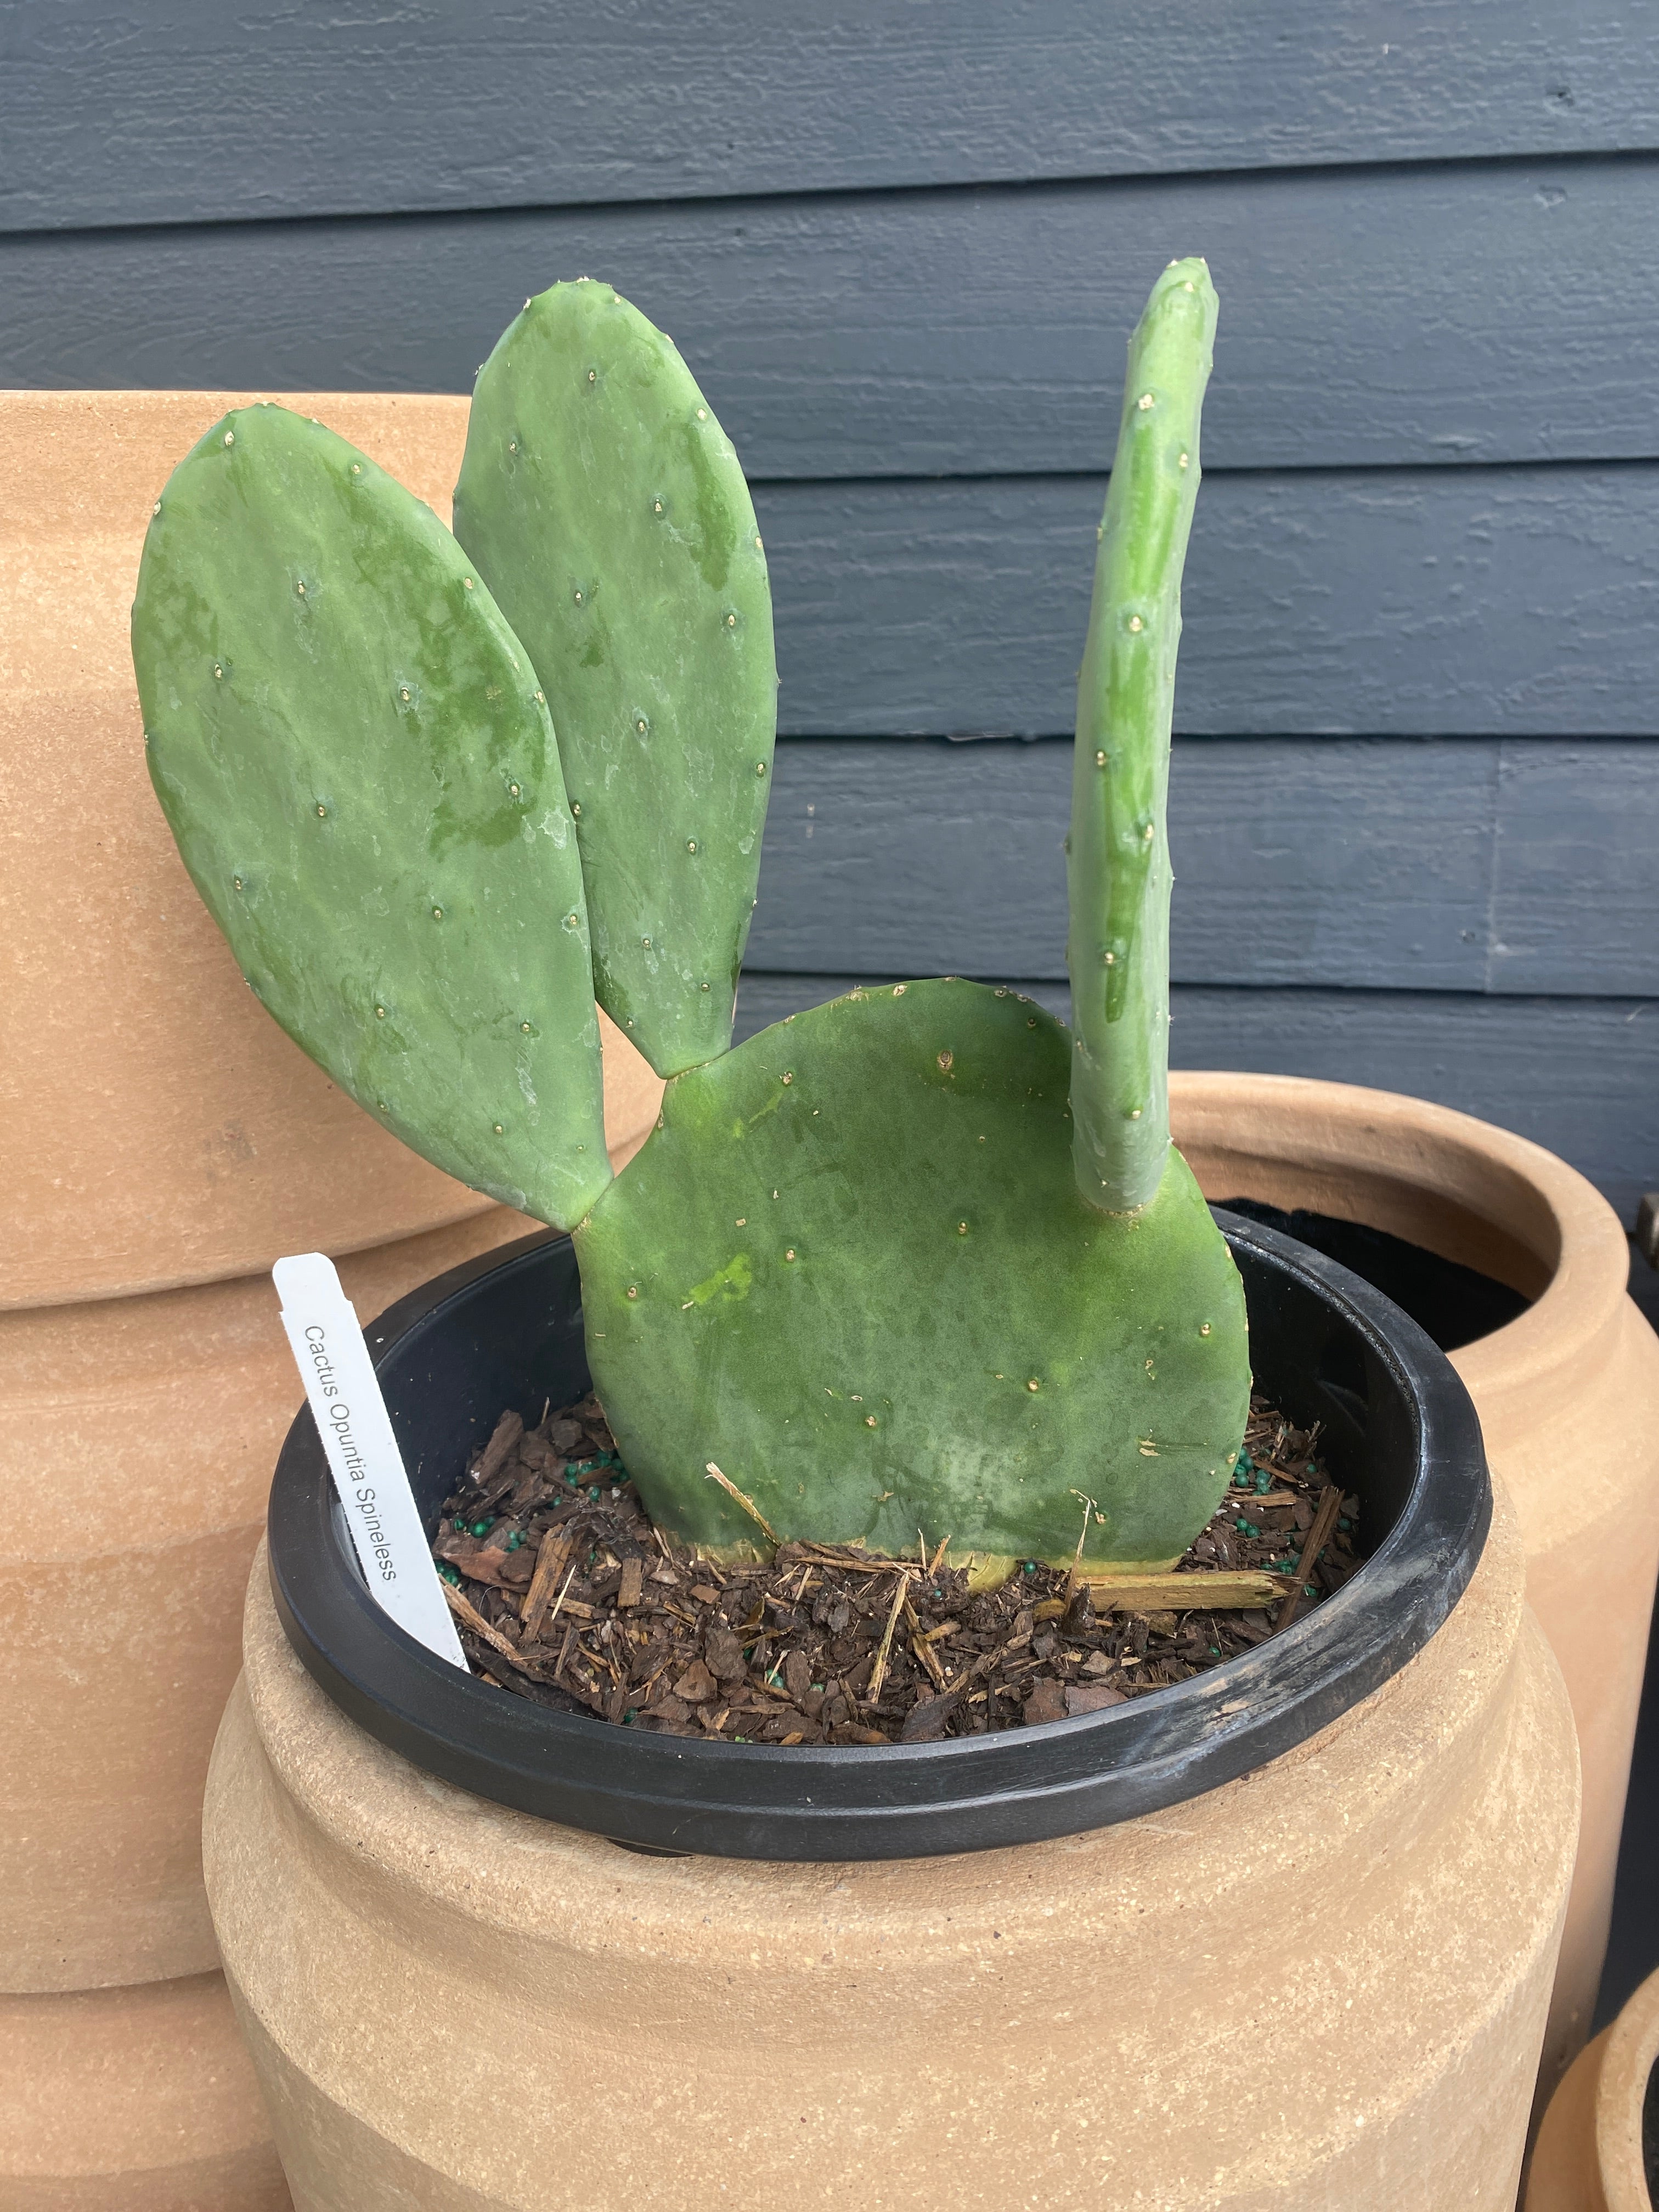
{"x": 1397, "y": 1429}
{"x": 1457, "y": 1305}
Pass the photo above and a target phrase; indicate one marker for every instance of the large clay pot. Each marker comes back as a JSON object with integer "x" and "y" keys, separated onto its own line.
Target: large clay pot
{"x": 1589, "y": 2156}
{"x": 160, "y": 1129}
{"x": 1322, "y": 1985}
{"x": 132, "y": 2100}
{"x": 1320, "y": 1982}
{"x": 121, "y": 1643}
{"x": 1568, "y": 1394}
{"x": 164, "y": 1143}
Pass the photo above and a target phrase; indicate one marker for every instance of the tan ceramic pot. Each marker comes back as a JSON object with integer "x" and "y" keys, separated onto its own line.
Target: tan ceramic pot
{"x": 164, "y": 1143}
{"x": 1322, "y": 1985}
{"x": 132, "y": 2100}
{"x": 160, "y": 1127}
{"x": 122, "y": 1617}
{"x": 1568, "y": 1394}
{"x": 1589, "y": 2155}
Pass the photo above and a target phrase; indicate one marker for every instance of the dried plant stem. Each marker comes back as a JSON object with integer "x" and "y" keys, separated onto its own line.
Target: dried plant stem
{"x": 923, "y": 1650}
{"x": 1318, "y": 1536}
{"x": 1076, "y": 1574}
{"x": 1246, "y": 1590}
{"x": 878, "y": 1672}
{"x": 469, "y": 1617}
{"x": 472, "y": 1619}
{"x": 557, "y": 1603}
{"x": 551, "y": 1561}
{"x": 747, "y": 1503}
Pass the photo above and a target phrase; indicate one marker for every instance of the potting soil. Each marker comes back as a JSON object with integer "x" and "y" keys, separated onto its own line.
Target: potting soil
{"x": 565, "y": 1592}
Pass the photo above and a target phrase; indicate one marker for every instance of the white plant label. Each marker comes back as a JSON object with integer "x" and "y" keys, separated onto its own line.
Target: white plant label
{"x": 363, "y": 1453}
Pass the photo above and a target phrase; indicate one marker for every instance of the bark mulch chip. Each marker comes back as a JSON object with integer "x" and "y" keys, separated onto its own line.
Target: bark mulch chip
{"x": 565, "y": 1592}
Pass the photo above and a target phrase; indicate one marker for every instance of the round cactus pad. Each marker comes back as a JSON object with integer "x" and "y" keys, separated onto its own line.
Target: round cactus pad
{"x": 853, "y": 1269}
{"x": 355, "y": 757}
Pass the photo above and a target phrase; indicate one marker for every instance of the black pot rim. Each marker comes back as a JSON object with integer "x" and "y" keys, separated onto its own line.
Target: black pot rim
{"x": 836, "y": 1802}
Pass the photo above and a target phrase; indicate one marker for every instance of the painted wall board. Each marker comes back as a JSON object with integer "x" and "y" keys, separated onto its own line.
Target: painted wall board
{"x": 901, "y": 241}
{"x": 185, "y": 109}
{"x": 1341, "y": 861}
{"x": 1524, "y": 865}
{"x": 956, "y": 332}
{"x": 1457, "y": 602}
{"x": 1579, "y": 1075}
{"x": 1576, "y": 879}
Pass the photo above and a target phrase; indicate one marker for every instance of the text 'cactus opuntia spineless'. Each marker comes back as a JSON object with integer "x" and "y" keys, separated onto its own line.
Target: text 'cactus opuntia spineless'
{"x": 921, "y": 1260}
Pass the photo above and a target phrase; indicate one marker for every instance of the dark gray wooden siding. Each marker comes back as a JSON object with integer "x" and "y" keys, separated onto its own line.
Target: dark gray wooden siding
{"x": 1415, "y": 802}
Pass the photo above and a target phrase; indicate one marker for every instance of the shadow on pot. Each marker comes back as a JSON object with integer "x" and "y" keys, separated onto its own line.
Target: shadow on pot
{"x": 1454, "y": 1304}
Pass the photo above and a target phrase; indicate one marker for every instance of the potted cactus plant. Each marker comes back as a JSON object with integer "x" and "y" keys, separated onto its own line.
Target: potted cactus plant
{"x": 920, "y": 1258}
{"x": 923, "y": 1258}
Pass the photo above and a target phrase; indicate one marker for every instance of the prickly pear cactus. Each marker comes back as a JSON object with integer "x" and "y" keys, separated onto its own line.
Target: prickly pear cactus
{"x": 353, "y": 751}
{"x": 919, "y": 1262}
{"x": 609, "y": 512}
{"x": 852, "y": 1268}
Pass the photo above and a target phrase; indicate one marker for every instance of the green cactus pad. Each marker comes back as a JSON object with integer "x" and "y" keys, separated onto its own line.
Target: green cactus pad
{"x": 852, "y": 1268}
{"x": 1118, "y": 861}
{"x": 351, "y": 749}
{"x": 608, "y": 510}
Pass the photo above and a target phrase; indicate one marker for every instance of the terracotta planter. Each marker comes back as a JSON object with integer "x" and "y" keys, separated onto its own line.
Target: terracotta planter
{"x": 164, "y": 1143}
{"x": 132, "y": 2100}
{"x": 160, "y": 1129}
{"x": 1568, "y": 1395}
{"x": 122, "y": 1618}
{"x": 1321, "y": 1983}
{"x": 1589, "y": 2156}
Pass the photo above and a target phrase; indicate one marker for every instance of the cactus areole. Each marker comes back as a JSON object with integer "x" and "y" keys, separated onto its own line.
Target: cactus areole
{"x": 921, "y": 1260}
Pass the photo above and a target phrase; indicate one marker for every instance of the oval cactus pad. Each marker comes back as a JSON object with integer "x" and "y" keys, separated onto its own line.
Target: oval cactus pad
{"x": 607, "y": 509}
{"x": 355, "y": 758}
{"x": 853, "y": 1269}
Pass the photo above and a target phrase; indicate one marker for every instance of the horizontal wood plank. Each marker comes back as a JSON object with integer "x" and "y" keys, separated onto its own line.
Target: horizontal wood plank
{"x": 1576, "y": 875}
{"x": 1462, "y": 865}
{"x": 191, "y": 111}
{"x": 1341, "y": 861}
{"x": 946, "y": 334}
{"x": 1457, "y": 602}
{"x": 1579, "y": 1075}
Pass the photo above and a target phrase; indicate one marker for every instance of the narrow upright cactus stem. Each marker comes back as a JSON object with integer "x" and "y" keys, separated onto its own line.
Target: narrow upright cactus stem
{"x": 1118, "y": 864}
